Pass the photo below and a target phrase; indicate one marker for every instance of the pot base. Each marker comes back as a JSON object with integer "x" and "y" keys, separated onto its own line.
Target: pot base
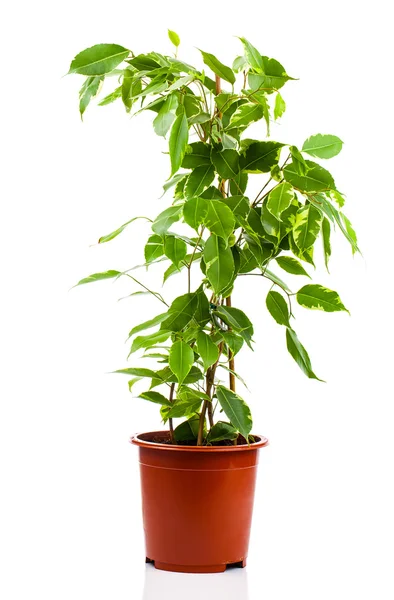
{"x": 195, "y": 569}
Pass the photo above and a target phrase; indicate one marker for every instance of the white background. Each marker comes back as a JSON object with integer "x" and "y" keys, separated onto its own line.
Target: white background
{"x": 70, "y": 510}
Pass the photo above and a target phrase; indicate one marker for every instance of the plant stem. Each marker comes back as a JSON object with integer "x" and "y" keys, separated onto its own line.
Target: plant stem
{"x": 231, "y": 363}
{"x": 170, "y": 421}
{"x": 210, "y": 378}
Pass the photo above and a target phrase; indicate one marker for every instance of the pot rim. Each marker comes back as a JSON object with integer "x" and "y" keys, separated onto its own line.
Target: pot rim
{"x": 136, "y": 439}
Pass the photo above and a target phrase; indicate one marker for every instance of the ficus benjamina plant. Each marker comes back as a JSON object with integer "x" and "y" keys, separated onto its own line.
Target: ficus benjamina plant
{"x": 205, "y": 115}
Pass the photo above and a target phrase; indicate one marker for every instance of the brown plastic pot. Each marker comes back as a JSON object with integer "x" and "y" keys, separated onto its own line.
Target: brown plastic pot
{"x": 197, "y": 503}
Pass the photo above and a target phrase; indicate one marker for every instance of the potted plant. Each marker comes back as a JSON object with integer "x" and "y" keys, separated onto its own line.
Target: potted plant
{"x": 198, "y": 475}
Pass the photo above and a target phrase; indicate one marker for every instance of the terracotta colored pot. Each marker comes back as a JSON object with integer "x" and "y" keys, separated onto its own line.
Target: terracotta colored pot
{"x": 197, "y": 503}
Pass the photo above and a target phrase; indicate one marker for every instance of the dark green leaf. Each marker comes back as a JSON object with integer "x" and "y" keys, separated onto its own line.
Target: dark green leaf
{"x": 235, "y": 409}
{"x": 212, "y": 193}
{"x": 220, "y": 263}
{"x": 316, "y": 179}
{"x": 156, "y": 398}
{"x": 187, "y": 431}
{"x": 322, "y": 146}
{"x": 239, "y": 183}
{"x": 181, "y": 312}
{"x": 246, "y": 114}
{"x": 195, "y": 211}
{"x": 166, "y": 218}
{"x": 207, "y": 349}
{"x": 198, "y": 180}
{"x": 298, "y": 352}
{"x": 307, "y": 226}
{"x": 319, "y": 297}
{"x": 236, "y": 320}
{"x": 278, "y": 308}
{"x": 217, "y": 67}
{"x": 221, "y": 431}
{"x": 166, "y": 115}
{"x": 259, "y": 157}
{"x": 99, "y": 277}
{"x": 174, "y": 38}
{"x": 197, "y": 154}
{"x": 178, "y": 141}
{"x": 99, "y": 59}
{"x": 181, "y": 359}
{"x": 219, "y": 219}
{"x": 291, "y": 265}
{"x": 226, "y": 163}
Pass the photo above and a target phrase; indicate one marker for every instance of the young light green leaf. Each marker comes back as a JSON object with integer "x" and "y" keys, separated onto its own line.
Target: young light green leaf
{"x": 154, "y": 248}
{"x": 246, "y": 114}
{"x": 99, "y": 59}
{"x": 219, "y": 260}
{"x": 88, "y": 91}
{"x": 326, "y": 233}
{"x": 175, "y": 249}
{"x": 291, "y": 265}
{"x": 240, "y": 64}
{"x": 99, "y": 277}
{"x": 147, "y": 325}
{"x": 318, "y": 297}
{"x": 174, "y": 38}
{"x": 279, "y": 199}
{"x": 166, "y": 115}
{"x": 221, "y": 431}
{"x": 217, "y": 67}
{"x": 280, "y": 106}
{"x": 117, "y": 93}
{"x": 307, "y": 226}
{"x": 322, "y": 146}
{"x": 298, "y": 352}
{"x": 226, "y": 163}
{"x": 207, "y": 349}
{"x": 178, "y": 141}
{"x": 181, "y": 312}
{"x": 236, "y": 320}
{"x": 198, "y": 180}
{"x": 155, "y": 397}
{"x": 351, "y": 234}
{"x": 235, "y": 409}
{"x": 278, "y": 308}
{"x": 195, "y": 211}
{"x": 181, "y": 359}
{"x": 253, "y": 56}
{"x": 316, "y": 179}
{"x": 165, "y": 219}
{"x": 114, "y": 234}
{"x": 219, "y": 219}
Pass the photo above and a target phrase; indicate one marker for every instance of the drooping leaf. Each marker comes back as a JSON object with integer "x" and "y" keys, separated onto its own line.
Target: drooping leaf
{"x": 277, "y": 306}
{"x": 197, "y": 154}
{"x": 307, "y": 226}
{"x": 291, "y": 265}
{"x": 322, "y": 146}
{"x": 351, "y": 234}
{"x": 178, "y": 141}
{"x": 298, "y": 352}
{"x": 181, "y": 312}
{"x": 299, "y": 163}
{"x": 99, "y": 59}
{"x": 131, "y": 88}
{"x": 165, "y": 219}
{"x": 147, "y": 341}
{"x": 279, "y": 199}
{"x": 316, "y": 179}
{"x": 318, "y": 297}
{"x": 217, "y": 67}
{"x": 138, "y": 372}
{"x": 226, "y": 163}
{"x": 155, "y": 397}
{"x": 322, "y": 203}
{"x": 154, "y": 248}
{"x": 280, "y": 106}
{"x": 114, "y": 234}
{"x": 275, "y": 279}
{"x": 326, "y": 233}
{"x": 219, "y": 219}
{"x": 166, "y": 115}
{"x": 207, "y": 349}
{"x": 222, "y": 431}
{"x": 174, "y": 38}
{"x": 219, "y": 262}
{"x": 198, "y": 180}
{"x": 181, "y": 359}
{"x": 99, "y": 277}
{"x": 237, "y": 321}
{"x": 174, "y": 181}
{"x": 246, "y": 114}
{"x": 253, "y": 56}
{"x": 187, "y": 431}
{"x": 235, "y": 409}
{"x": 117, "y": 93}
{"x": 195, "y": 211}
{"x": 147, "y": 325}
{"x": 88, "y": 91}
{"x": 260, "y": 157}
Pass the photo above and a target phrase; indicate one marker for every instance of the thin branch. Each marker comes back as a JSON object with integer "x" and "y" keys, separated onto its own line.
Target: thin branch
{"x": 158, "y": 296}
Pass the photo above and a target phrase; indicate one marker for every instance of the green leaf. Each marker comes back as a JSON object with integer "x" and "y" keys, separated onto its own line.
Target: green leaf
{"x": 233, "y": 341}
{"x": 226, "y": 163}
{"x": 207, "y": 349}
{"x": 147, "y": 341}
{"x": 198, "y": 180}
{"x": 187, "y": 431}
{"x": 318, "y": 297}
{"x": 298, "y": 352}
{"x": 202, "y": 315}
{"x": 173, "y": 181}
{"x": 174, "y": 38}
{"x": 222, "y": 431}
{"x": 178, "y": 141}
{"x": 117, "y": 93}
{"x": 167, "y": 376}
{"x": 299, "y": 161}
{"x": 181, "y": 312}
{"x": 235, "y": 409}
{"x": 195, "y": 211}
{"x": 246, "y": 114}
{"x": 131, "y": 88}
{"x": 351, "y": 234}
{"x": 253, "y": 56}
{"x": 260, "y": 157}
{"x": 217, "y": 67}
{"x": 165, "y": 219}
{"x": 219, "y": 262}
{"x": 291, "y": 265}
{"x": 307, "y": 226}
{"x": 280, "y": 106}
{"x": 99, "y": 59}
{"x": 88, "y": 91}
{"x": 236, "y": 320}
{"x": 326, "y": 233}
{"x": 239, "y": 184}
{"x": 199, "y": 118}
{"x": 181, "y": 82}
{"x": 324, "y": 205}
{"x": 278, "y": 308}
{"x": 181, "y": 359}
{"x": 175, "y": 249}
{"x": 239, "y": 64}
{"x": 155, "y": 397}
{"x": 166, "y": 115}
{"x": 154, "y": 248}
{"x": 147, "y": 325}
{"x": 273, "y": 77}
{"x": 114, "y": 234}
{"x": 279, "y": 199}
{"x": 197, "y": 154}
{"x": 322, "y": 146}
{"x": 219, "y": 219}
{"x": 99, "y": 277}
{"x": 306, "y": 255}
{"x": 144, "y": 62}
{"x": 137, "y": 372}
{"x": 316, "y": 179}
